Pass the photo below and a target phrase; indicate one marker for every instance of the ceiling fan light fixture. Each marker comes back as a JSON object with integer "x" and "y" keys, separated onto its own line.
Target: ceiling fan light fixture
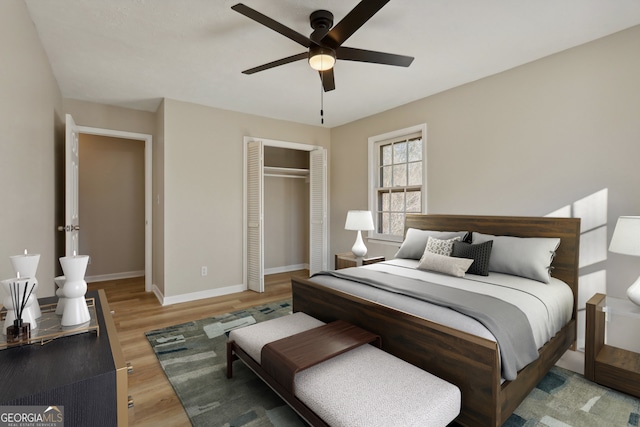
{"x": 321, "y": 58}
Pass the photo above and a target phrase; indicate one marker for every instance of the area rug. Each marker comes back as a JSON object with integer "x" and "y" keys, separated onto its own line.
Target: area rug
{"x": 193, "y": 356}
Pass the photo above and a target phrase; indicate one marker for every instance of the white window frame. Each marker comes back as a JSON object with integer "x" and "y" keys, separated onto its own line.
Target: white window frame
{"x": 374, "y": 141}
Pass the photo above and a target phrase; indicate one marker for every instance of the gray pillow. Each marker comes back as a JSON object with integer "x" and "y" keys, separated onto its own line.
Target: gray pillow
{"x": 416, "y": 241}
{"x": 528, "y": 257}
{"x": 444, "y": 264}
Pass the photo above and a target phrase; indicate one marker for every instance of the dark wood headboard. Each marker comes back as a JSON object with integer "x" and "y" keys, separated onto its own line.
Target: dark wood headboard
{"x": 565, "y": 263}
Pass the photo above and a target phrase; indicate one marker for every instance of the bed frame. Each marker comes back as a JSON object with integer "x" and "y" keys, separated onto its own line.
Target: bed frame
{"x": 470, "y": 362}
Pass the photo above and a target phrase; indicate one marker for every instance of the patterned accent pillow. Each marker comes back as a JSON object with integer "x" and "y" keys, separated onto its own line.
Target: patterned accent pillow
{"x": 416, "y": 240}
{"x": 441, "y": 247}
{"x": 479, "y": 253}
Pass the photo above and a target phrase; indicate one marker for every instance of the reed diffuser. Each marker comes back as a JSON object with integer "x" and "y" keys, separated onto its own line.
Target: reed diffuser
{"x": 20, "y": 330}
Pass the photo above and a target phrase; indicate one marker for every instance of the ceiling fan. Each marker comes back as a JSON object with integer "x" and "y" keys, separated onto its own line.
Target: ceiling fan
{"x": 325, "y": 42}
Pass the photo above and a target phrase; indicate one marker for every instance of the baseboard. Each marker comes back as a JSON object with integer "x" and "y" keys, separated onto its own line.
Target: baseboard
{"x": 194, "y": 296}
{"x": 286, "y": 268}
{"x": 114, "y": 276}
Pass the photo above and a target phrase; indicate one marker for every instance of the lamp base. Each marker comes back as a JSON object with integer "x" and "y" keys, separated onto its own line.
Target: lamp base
{"x": 633, "y": 293}
{"x": 359, "y": 249}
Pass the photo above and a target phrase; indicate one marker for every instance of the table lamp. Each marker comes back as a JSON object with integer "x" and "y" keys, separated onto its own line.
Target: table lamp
{"x": 359, "y": 220}
{"x": 626, "y": 240}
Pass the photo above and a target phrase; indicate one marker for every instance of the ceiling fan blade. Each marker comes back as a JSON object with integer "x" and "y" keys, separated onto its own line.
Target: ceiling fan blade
{"x": 270, "y": 23}
{"x": 282, "y": 61}
{"x": 352, "y": 21}
{"x": 362, "y": 55}
{"x": 328, "y": 82}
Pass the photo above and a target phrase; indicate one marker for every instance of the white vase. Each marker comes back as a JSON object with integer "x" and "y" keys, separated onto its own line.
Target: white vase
{"x": 75, "y": 310}
{"x": 60, "y": 294}
{"x": 633, "y": 293}
{"x": 26, "y": 266}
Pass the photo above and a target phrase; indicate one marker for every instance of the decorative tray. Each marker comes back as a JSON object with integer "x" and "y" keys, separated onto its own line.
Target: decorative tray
{"x": 49, "y": 326}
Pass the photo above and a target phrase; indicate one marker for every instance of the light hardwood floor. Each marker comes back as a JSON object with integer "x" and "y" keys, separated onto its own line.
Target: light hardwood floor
{"x": 136, "y": 312}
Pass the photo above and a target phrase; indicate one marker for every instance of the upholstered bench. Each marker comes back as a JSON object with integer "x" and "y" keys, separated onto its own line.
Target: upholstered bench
{"x": 360, "y": 386}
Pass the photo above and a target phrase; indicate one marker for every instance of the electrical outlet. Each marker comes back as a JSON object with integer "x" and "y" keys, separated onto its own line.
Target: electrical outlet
{"x": 203, "y": 270}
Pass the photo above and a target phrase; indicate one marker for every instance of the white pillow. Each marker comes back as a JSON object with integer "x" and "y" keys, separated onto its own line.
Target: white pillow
{"x": 441, "y": 247}
{"x": 416, "y": 240}
{"x": 528, "y": 257}
{"x": 444, "y": 264}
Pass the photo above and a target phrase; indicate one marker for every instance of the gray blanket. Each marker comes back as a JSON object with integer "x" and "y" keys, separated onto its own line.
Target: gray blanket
{"x": 508, "y": 324}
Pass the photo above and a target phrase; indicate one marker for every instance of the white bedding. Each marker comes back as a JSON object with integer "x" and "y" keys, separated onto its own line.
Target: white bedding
{"x": 548, "y": 307}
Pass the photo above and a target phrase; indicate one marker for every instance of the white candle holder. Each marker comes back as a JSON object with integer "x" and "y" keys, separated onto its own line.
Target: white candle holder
{"x": 75, "y": 310}
{"x": 27, "y": 314}
{"x": 60, "y": 294}
{"x": 26, "y": 266}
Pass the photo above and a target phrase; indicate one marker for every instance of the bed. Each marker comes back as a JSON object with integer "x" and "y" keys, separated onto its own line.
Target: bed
{"x": 471, "y": 362}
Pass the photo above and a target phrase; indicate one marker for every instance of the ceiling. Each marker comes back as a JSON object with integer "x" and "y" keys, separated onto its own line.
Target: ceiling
{"x": 133, "y": 53}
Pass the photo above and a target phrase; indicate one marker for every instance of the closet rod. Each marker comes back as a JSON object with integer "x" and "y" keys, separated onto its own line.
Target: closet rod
{"x": 284, "y": 176}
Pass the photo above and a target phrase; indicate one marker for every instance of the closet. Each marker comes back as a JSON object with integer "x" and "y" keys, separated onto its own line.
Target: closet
{"x": 285, "y": 209}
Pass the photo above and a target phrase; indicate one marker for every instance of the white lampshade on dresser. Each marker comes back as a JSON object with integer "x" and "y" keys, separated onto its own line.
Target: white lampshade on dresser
{"x": 626, "y": 241}
{"x": 360, "y": 221}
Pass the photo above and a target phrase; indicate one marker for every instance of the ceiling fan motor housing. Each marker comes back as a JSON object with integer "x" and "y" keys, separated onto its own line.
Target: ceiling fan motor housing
{"x": 321, "y": 19}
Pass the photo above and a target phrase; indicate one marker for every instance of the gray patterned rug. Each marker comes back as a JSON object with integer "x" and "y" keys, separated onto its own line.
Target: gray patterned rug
{"x": 193, "y": 356}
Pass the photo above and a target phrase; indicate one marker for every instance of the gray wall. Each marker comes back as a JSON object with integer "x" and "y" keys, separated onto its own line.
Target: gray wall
{"x": 560, "y": 132}
{"x": 286, "y": 223}
{"x": 31, "y": 133}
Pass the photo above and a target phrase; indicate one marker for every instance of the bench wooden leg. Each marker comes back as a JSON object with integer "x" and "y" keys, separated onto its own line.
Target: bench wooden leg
{"x": 229, "y": 359}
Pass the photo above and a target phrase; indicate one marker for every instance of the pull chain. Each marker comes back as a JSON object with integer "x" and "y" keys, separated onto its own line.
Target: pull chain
{"x": 321, "y": 97}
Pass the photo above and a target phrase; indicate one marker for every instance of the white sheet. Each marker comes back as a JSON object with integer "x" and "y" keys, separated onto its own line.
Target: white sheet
{"x": 547, "y": 306}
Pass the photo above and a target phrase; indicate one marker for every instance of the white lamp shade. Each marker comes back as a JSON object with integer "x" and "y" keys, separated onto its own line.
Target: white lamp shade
{"x": 359, "y": 220}
{"x": 626, "y": 236}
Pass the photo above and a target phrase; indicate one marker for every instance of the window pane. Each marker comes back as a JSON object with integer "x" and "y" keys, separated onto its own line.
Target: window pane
{"x": 385, "y": 199}
{"x": 415, "y": 173}
{"x": 385, "y": 229}
{"x": 385, "y": 154}
{"x": 400, "y": 152}
{"x": 415, "y": 150}
{"x": 400, "y": 165}
{"x": 397, "y": 224}
{"x": 397, "y": 202}
{"x": 413, "y": 201}
{"x": 387, "y": 178}
{"x": 399, "y": 175}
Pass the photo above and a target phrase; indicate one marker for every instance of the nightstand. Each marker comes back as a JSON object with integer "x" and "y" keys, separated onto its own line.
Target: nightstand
{"x": 348, "y": 259}
{"x": 604, "y": 364}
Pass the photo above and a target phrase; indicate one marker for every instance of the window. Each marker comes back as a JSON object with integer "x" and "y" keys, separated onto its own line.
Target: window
{"x": 397, "y": 180}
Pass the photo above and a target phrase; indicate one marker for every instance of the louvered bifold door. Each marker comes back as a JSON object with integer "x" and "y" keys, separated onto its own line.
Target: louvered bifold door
{"x": 255, "y": 232}
{"x": 318, "y": 211}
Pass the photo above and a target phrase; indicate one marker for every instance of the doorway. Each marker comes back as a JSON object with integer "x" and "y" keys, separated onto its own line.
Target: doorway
{"x": 147, "y": 139}
{"x": 111, "y": 206}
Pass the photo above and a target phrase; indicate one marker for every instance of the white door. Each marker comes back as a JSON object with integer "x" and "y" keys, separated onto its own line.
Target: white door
{"x": 255, "y": 216}
{"x": 72, "y": 162}
{"x": 318, "y": 210}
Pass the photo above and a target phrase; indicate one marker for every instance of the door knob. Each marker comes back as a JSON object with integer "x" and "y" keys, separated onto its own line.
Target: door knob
{"x": 68, "y": 228}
